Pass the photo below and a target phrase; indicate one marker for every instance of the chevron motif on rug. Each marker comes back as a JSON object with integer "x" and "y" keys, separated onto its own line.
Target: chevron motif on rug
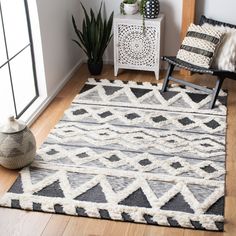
{"x": 125, "y": 151}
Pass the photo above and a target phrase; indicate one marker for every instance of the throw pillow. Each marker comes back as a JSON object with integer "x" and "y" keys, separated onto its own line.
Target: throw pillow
{"x": 225, "y": 58}
{"x": 199, "y": 45}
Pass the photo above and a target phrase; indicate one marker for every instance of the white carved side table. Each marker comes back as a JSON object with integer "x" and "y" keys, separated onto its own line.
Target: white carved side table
{"x": 134, "y": 49}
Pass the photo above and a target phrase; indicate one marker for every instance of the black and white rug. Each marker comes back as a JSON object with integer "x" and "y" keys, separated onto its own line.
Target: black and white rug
{"x": 124, "y": 151}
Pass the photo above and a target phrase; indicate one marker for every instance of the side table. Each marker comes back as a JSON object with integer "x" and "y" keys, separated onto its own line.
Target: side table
{"x": 136, "y": 47}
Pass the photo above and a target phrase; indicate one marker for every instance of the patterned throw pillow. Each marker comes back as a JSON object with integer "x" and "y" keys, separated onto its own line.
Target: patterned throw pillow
{"x": 199, "y": 45}
{"x": 225, "y": 58}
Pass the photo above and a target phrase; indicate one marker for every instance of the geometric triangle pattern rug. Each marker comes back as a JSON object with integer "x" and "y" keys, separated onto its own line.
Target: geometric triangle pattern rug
{"x": 125, "y": 151}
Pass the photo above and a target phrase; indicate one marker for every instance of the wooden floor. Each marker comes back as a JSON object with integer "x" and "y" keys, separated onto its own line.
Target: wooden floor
{"x": 18, "y": 222}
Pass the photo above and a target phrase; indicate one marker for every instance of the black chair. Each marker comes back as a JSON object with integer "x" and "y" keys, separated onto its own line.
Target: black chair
{"x": 220, "y": 74}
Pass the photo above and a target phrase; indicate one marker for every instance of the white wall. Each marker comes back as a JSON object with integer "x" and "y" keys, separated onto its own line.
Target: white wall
{"x": 217, "y": 9}
{"x": 173, "y": 22}
{"x": 59, "y": 52}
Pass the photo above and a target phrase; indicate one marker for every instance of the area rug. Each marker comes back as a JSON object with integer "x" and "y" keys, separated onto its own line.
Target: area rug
{"x": 125, "y": 151}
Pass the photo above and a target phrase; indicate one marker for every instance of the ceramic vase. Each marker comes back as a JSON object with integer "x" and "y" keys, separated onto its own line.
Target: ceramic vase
{"x": 17, "y": 145}
{"x": 131, "y": 9}
{"x": 152, "y": 9}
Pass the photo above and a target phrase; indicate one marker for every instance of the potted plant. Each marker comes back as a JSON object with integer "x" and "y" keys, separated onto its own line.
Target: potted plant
{"x": 129, "y": 7}
{"x": 94, "y": 37}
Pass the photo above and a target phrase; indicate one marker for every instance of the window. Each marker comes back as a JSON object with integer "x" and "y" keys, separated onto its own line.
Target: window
{"x": 18, "y": 83}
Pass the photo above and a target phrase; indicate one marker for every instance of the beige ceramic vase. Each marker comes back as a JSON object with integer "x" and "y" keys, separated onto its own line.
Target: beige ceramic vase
{"x": 17, "y": 145}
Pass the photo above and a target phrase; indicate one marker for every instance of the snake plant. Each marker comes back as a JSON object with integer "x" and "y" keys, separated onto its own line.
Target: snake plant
{"x": 95, "y": 35}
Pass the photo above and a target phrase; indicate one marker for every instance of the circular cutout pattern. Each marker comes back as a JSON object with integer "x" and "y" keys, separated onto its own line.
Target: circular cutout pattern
{"x": 136, "y": 48}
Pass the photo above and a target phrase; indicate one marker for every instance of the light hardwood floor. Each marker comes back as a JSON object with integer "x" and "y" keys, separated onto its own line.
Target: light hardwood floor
{"x": 18, "y": 222}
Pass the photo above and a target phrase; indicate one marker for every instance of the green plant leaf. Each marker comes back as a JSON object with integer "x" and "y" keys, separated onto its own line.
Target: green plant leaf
{"x": 86, "y": 15}
{"x": 80, "y": 46}
{"x": 95, "y": 34}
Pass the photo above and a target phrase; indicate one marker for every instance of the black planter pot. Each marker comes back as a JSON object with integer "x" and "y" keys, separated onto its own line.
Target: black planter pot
{"x": 152, "y": 9}
{"x": 95, "y": 68}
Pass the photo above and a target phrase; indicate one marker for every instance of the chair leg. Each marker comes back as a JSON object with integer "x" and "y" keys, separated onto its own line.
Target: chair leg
{"x": 166, "y": 80}
{"x": 216, "y": 91}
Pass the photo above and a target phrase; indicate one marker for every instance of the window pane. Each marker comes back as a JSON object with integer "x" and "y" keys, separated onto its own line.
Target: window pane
{"x": 23, "y": 79}
{"x": 6, "y": 99}
{"x": 15, "y": 24}
{"x": 3, "y": 56}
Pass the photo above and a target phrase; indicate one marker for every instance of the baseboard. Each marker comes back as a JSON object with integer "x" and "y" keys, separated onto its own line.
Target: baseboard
{"x": 108, "y": 62}
{"x": 43, "y": 105}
